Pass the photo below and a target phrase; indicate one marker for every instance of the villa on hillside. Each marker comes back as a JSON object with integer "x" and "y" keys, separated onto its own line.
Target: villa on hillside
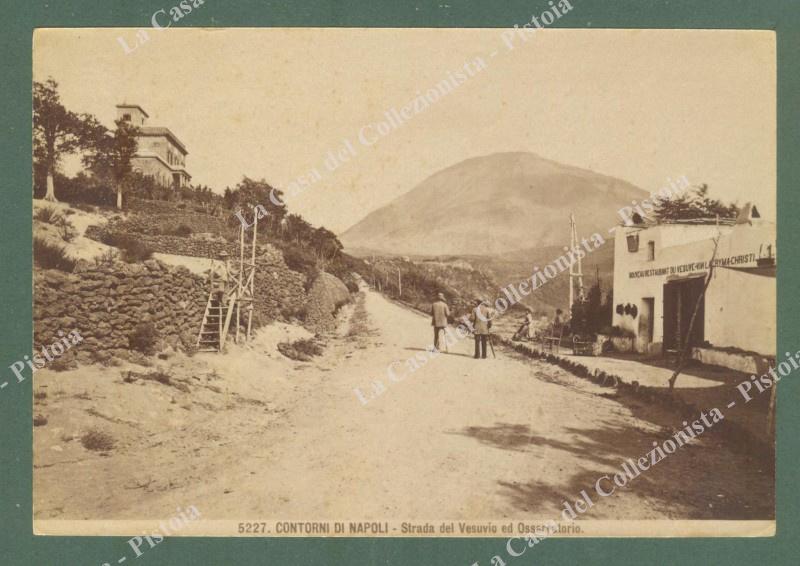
{"x": 160, "y": 153}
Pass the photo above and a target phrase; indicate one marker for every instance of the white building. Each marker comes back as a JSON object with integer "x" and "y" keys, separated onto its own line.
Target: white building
{"x": 660, "y": 270}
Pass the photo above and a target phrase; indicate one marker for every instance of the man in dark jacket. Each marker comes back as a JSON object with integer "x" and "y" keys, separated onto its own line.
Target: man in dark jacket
{"x": 482, "y": 323}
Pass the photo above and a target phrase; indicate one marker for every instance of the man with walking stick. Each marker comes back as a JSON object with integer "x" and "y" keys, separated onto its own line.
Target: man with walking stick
{"x": 482, "y": 324}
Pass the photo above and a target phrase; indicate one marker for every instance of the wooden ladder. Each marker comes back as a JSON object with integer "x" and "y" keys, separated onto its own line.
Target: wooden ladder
{"x": 216, "y": 321}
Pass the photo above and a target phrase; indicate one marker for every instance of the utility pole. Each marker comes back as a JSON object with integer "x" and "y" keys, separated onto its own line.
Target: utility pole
{"x": 573, "y": 272}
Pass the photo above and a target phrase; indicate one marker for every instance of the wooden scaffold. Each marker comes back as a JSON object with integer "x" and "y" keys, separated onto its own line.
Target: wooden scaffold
{"x": 231, "y": 295}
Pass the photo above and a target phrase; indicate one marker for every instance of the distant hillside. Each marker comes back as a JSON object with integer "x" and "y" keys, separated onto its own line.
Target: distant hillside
{"x": 517, "y": 266}
{"x": 462, "y": 278}
{"x": 493, "y": 205}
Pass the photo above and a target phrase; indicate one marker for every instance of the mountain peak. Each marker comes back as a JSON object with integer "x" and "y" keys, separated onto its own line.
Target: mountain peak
{"x": 493, "y": 204}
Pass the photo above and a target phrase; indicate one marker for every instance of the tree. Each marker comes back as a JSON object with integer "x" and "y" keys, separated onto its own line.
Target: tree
{"x": 325, "y": 244}
{"x": 694, "y": 204}
{"x": 592, "y": 315}
{"x": 144, "y": 186}
{"x": 684, "y": 348}
{"x": 229, "y": 198}
{"x": 250, "y": 193}
{"x": 110, "y": 154}
{"x": 56, "y": 131}
{"x": 298, "y": 229}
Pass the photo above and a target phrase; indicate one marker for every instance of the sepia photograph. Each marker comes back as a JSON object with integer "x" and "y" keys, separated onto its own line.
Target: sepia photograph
{"x": 505, "y": 283}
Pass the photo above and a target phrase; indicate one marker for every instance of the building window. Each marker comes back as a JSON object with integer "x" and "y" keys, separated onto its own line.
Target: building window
{"x": 126, "y": 117}
{"x": 651, "y": 250}
{"x": 633, "y": 243}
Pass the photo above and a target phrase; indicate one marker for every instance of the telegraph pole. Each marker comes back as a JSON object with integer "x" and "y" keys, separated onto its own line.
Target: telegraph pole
{"x": 573, "y": 272}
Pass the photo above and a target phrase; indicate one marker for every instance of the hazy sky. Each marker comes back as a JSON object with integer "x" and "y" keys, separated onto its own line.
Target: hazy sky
{"x": 639, "y": 105}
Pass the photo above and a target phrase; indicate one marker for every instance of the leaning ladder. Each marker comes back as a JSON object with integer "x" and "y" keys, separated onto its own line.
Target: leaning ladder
{"x": 216, "y": 321}
{"x": 239, "y": 294}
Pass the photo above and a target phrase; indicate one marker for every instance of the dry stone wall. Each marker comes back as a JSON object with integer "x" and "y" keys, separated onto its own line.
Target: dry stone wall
{"x": 166, "y": 223}
{"x": 148, "y": 206}
{"x": 191, "y": 246}
{"x": 280, "y": 292}
{"x": 106, "y": 303}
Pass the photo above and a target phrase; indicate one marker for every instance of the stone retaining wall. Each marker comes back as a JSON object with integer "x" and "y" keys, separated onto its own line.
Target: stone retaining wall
{"x": 106, "y": 303}
{"x": 152, "y": 224}
{"x": 280, "y": 291}
{"x": 165, "y": 244}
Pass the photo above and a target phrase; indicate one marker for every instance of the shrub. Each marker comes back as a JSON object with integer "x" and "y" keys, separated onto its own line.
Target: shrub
{"x": 109, "y": 257}
{"x": 300, "y": 312}
{"x": 66, "y": 230}
{"x": 303, "y": 261}
{"x": 351, "y": 285}
{"x": 143, "y": 338}
{"x": 136, "y": 251}
{"x": 48, "y": 215}
{"x": 183, "y": 230}
{"x": 51, "y": 256}
{"x": 81, "y": 188}
{"x": 97, "y": 440}
{"x": 133, "y": 249}
{"x": 302, "y": 350}
{"x": 188, "y": 342}
{"x": 159, "y": 376}
{"x": 63, "y": 363}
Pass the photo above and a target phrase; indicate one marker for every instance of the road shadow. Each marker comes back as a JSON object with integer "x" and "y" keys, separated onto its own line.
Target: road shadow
{"x": 520, "y": 438}
{"x": 441, "y": 352}
{"x": 536, "y": 497}
{"x": 701, "y": 480}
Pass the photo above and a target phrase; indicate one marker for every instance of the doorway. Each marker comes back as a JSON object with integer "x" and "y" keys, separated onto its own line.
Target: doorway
{"x": 680, "y": 298}
{"x": 646, "y": 315}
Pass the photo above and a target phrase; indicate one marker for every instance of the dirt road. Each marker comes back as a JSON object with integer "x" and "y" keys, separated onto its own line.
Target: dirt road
{"x": 263, "y": 437}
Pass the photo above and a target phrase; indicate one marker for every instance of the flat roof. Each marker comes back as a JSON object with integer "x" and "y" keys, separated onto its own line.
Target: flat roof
{"x": 146, "y": 115}
{"x": 648, "y": 224}
{"x": 161, "y": 131}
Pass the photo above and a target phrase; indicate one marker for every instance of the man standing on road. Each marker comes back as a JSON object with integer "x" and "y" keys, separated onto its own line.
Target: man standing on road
{"x": 482, "y": 323}
{"x": 439, "y": 315}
